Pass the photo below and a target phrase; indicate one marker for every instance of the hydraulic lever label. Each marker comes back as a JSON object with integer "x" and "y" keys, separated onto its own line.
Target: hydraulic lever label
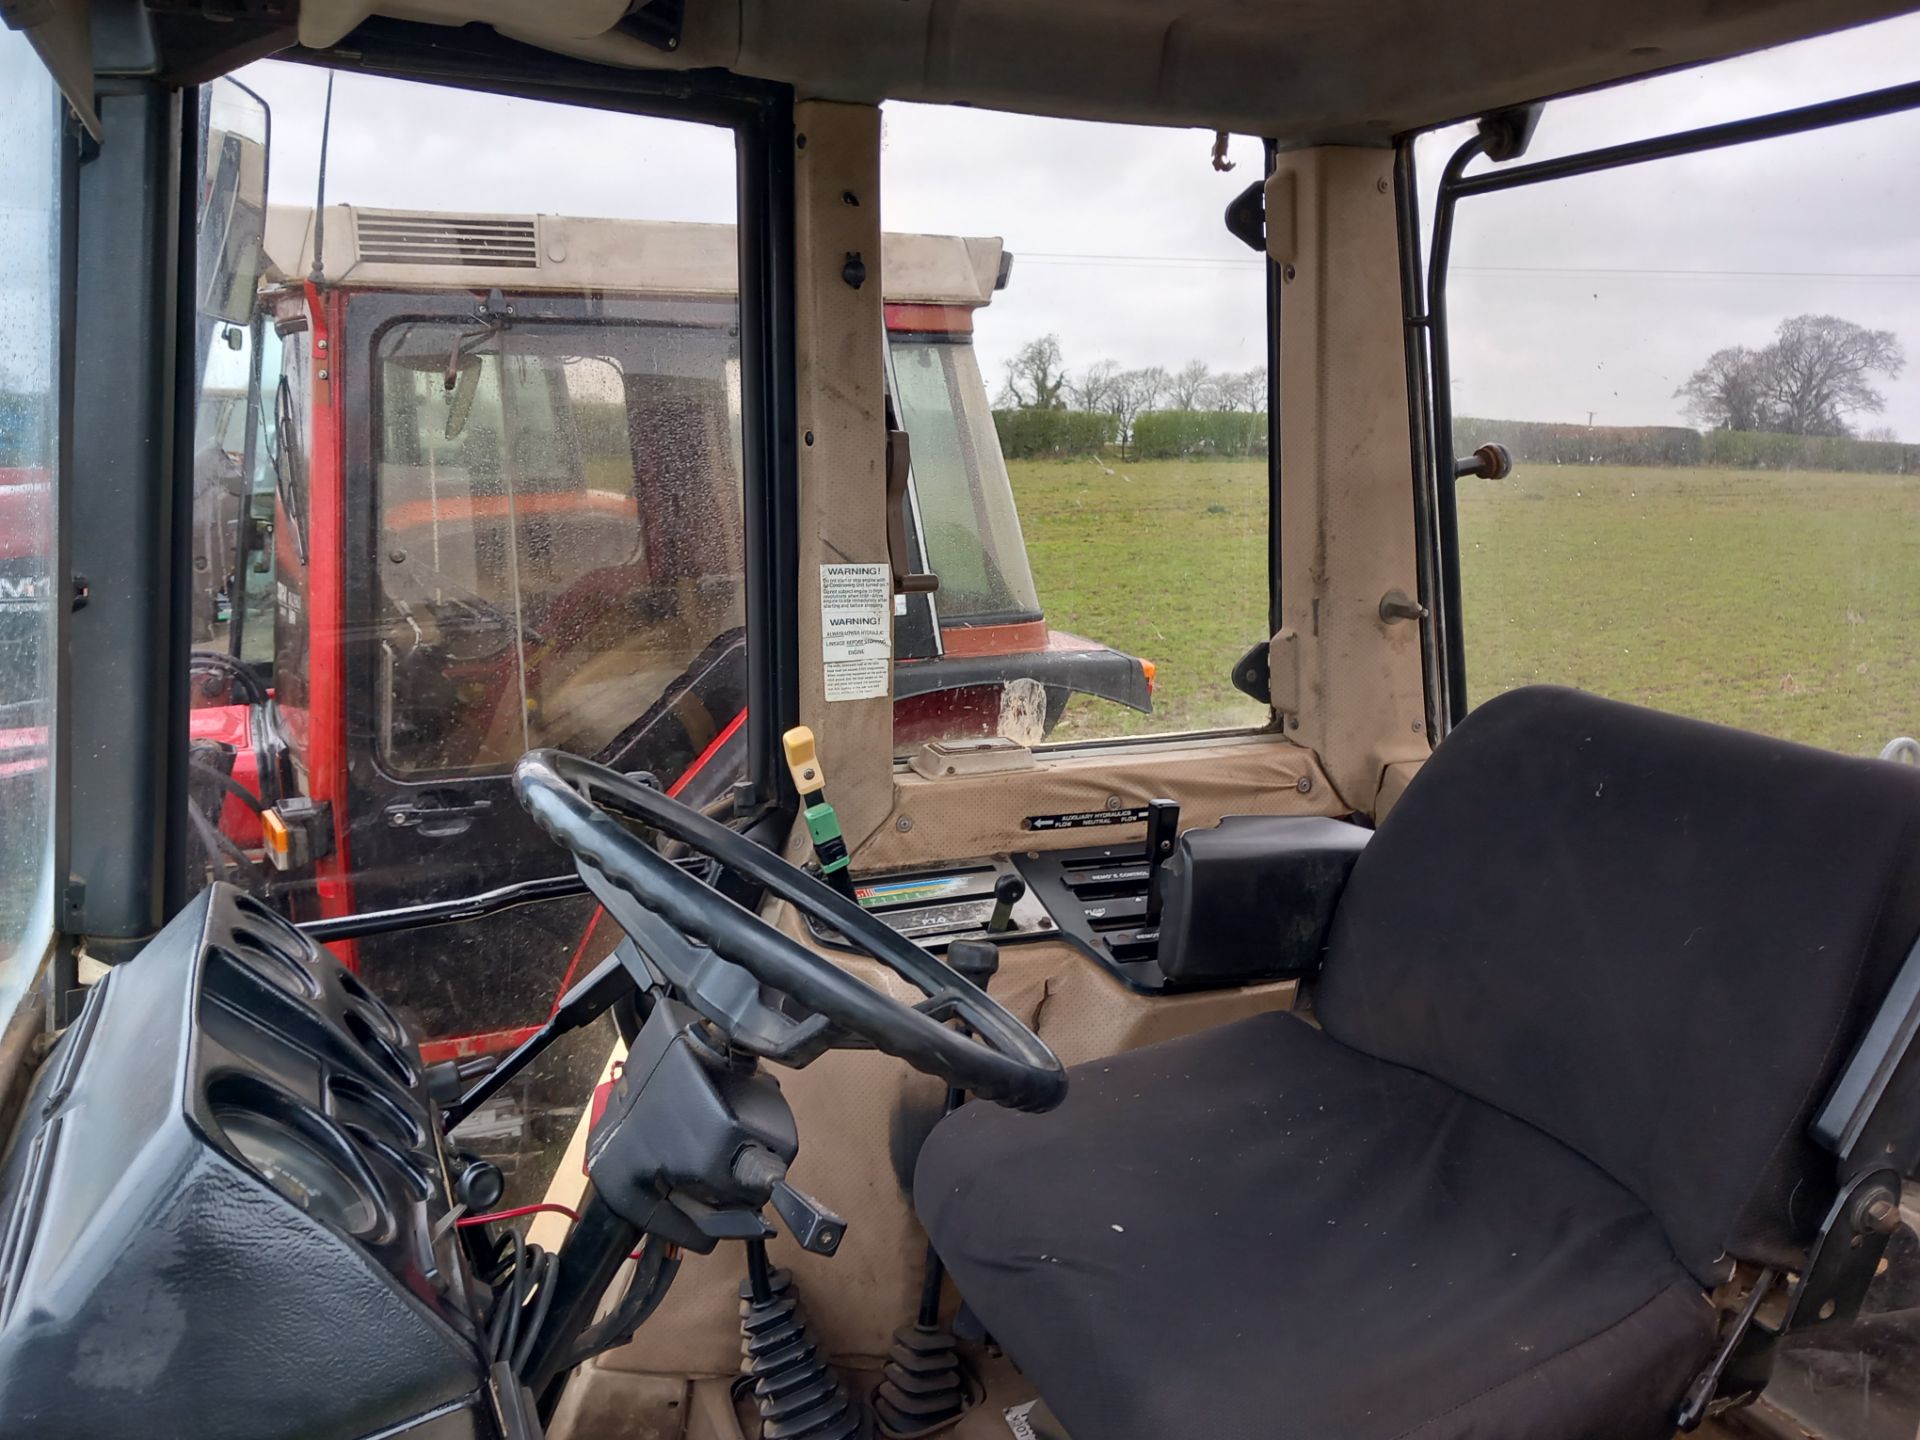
{"x": 1081, "y": 819}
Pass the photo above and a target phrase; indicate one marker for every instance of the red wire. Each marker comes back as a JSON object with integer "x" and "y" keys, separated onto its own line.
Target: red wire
{"x": 566, "y": 980}
{"x": 514, "y": 1214}
{"x": 673, "y": 792}
{"x": 464, "y": 1221}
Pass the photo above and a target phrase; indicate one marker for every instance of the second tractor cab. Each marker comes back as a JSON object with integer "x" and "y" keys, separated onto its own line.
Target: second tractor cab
{"x": 493, "y": 502}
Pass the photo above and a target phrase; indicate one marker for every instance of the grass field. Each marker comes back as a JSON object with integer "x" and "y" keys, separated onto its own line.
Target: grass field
{"x": 1787, "y": 603}
{"x": 1166, "y": 560}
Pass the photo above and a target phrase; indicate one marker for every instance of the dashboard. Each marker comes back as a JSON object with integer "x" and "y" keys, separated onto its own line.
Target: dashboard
{"x": 226, "y": 1210}
{"x": 1243, "y": 901}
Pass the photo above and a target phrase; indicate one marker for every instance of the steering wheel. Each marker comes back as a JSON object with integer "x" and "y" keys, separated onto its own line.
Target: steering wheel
{"x": 1002, "y": 1060}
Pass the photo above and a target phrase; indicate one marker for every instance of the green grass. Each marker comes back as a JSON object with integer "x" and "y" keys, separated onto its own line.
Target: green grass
{"x": 1164, "y": 559}
{"x": 1787, "y": 603}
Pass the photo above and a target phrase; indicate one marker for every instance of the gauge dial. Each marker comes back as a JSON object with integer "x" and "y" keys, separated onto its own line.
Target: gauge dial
{"x": 297, "y": 1167}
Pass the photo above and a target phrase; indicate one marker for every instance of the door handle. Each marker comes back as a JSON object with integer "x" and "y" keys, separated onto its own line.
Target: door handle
{"x": 899, "y": 469}
{"x": 435, "y": 820}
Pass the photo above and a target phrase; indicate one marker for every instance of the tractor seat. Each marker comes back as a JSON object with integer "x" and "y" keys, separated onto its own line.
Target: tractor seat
{"x": 1583, "y": 994}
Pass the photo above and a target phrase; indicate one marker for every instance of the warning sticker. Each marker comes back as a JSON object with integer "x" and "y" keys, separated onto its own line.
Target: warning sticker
{"x": 856, "y": 630}
{"x": 1081, "y": 819}
{"x": 1033, "y": 1421}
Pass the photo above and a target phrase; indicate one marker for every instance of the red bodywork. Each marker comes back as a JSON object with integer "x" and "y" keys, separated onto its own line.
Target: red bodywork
{"x": 325, "y": 723}
{"x": 24, "y": 532}
{"x": 23, "y": 493}
{"x": 232, "y": 726}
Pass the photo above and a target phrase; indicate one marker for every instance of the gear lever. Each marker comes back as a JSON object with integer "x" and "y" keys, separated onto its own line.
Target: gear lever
{"x": 923, "y": 1386}
{"x": 1163, "y": 830}
{"x": 1008, "y": 891}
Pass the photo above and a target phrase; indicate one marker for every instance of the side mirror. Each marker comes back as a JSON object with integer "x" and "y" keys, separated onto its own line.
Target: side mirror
{"x": 234, "y": 132}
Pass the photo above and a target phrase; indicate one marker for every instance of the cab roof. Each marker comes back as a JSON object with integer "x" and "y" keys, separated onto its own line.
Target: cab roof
{"x": 1300, "y": 71}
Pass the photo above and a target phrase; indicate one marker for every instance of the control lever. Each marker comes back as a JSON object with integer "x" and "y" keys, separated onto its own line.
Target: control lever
{"x": 1008, "y": 891}
{"x": 814, "y": 1227}
{"x": 823, "y": 824}
{"x": 792, "y": 1387}
{"x": 923, "y": 1386}
{"x": 979, "y": 960}
{"x": 1163, "y": 829}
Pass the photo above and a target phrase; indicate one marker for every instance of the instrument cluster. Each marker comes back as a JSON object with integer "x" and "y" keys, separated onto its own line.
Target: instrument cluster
{"x": 226, "y": 1209}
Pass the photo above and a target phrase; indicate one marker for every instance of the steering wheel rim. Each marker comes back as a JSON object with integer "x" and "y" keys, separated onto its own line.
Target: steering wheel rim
{"x": 1007, "y": 1064}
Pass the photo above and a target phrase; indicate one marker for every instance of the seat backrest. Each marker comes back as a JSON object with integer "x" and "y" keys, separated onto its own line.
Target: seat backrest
{"x": 1655, "y": 939}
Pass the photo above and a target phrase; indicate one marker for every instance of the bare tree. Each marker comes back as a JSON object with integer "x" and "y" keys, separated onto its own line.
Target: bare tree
{"x": 1881, "y": 435}
{"x": 1813, "y": 376}
{"x": 1817, "y": 370}
{"x": 1188, "y": 386}
{"x": 1037, "y": 375}
{"x": 1134, "y": 393}
{"x": 1725, "y": 393}
{"x": 1094, "y": 389}
{"x": 1242, "y": 389}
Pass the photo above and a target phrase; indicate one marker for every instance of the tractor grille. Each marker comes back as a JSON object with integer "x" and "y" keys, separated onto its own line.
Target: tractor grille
{"x": 395, "y": 238}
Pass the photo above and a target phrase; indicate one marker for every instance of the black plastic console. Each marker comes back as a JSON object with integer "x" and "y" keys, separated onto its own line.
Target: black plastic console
{"x": 1253, "y": 898}
{"x": 224, "y": 1213}
{"x": 1248, "y": 900}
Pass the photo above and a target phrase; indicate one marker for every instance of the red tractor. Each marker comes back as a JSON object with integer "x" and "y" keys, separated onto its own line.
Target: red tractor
{"x": 486, "y": 497}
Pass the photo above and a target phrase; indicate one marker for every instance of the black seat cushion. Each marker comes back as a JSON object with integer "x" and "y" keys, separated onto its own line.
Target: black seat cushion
{"x": 1656, "y": 939}
{"x": 1257, "y": 1231}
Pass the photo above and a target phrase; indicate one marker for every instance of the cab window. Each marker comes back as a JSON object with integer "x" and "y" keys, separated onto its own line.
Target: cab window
{"x": 1089, "y": 448}
{"x": 559, "y": 530}
{"x": 1714, "y": 507}
{"x": 966, "y": 504}
{"x": 30, "y": 129}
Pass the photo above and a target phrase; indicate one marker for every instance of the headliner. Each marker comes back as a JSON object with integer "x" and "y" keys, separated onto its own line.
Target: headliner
{"x": 1301, "y": 71}
{"x": 1298, "y": 71}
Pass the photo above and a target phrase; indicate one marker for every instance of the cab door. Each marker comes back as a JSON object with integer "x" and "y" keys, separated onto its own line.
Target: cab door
{"x": 547, "y": 552}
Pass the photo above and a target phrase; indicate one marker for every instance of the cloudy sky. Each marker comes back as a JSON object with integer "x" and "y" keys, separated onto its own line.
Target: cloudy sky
{"x": 1603, "y": 293}
{"x": 1596, "y": 295}
{"x": 26, "y": 225}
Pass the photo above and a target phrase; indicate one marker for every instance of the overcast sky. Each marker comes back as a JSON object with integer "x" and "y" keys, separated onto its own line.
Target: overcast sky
{"x": 27, "y": 261}
{"x": 1594, "y": 295}
{"x": 1604, "y": 293}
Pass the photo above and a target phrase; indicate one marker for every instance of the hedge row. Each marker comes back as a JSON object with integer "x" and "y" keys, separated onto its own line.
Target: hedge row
{"x": 1157, "y": 435}
{"x": 1177, "y": 434}
{"x": 1744, "y": 451}
{"x": 1545, "y": 444}
{"x": 1535, "y": 443}
{"x": 1050, "y": 434}
{"x": 1170, "y": 434}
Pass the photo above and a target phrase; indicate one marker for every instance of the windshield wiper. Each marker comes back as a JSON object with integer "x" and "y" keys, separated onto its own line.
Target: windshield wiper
{"x": 278, "y": 457}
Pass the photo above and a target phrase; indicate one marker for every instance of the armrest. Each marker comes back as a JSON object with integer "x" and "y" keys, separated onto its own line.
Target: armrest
{"x": 1253, "y": 897}
{"x": 1873, "y": 1110}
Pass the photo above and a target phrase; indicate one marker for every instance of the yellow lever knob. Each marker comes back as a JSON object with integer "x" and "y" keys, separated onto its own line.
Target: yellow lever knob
{"x": 803, "y": 761}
